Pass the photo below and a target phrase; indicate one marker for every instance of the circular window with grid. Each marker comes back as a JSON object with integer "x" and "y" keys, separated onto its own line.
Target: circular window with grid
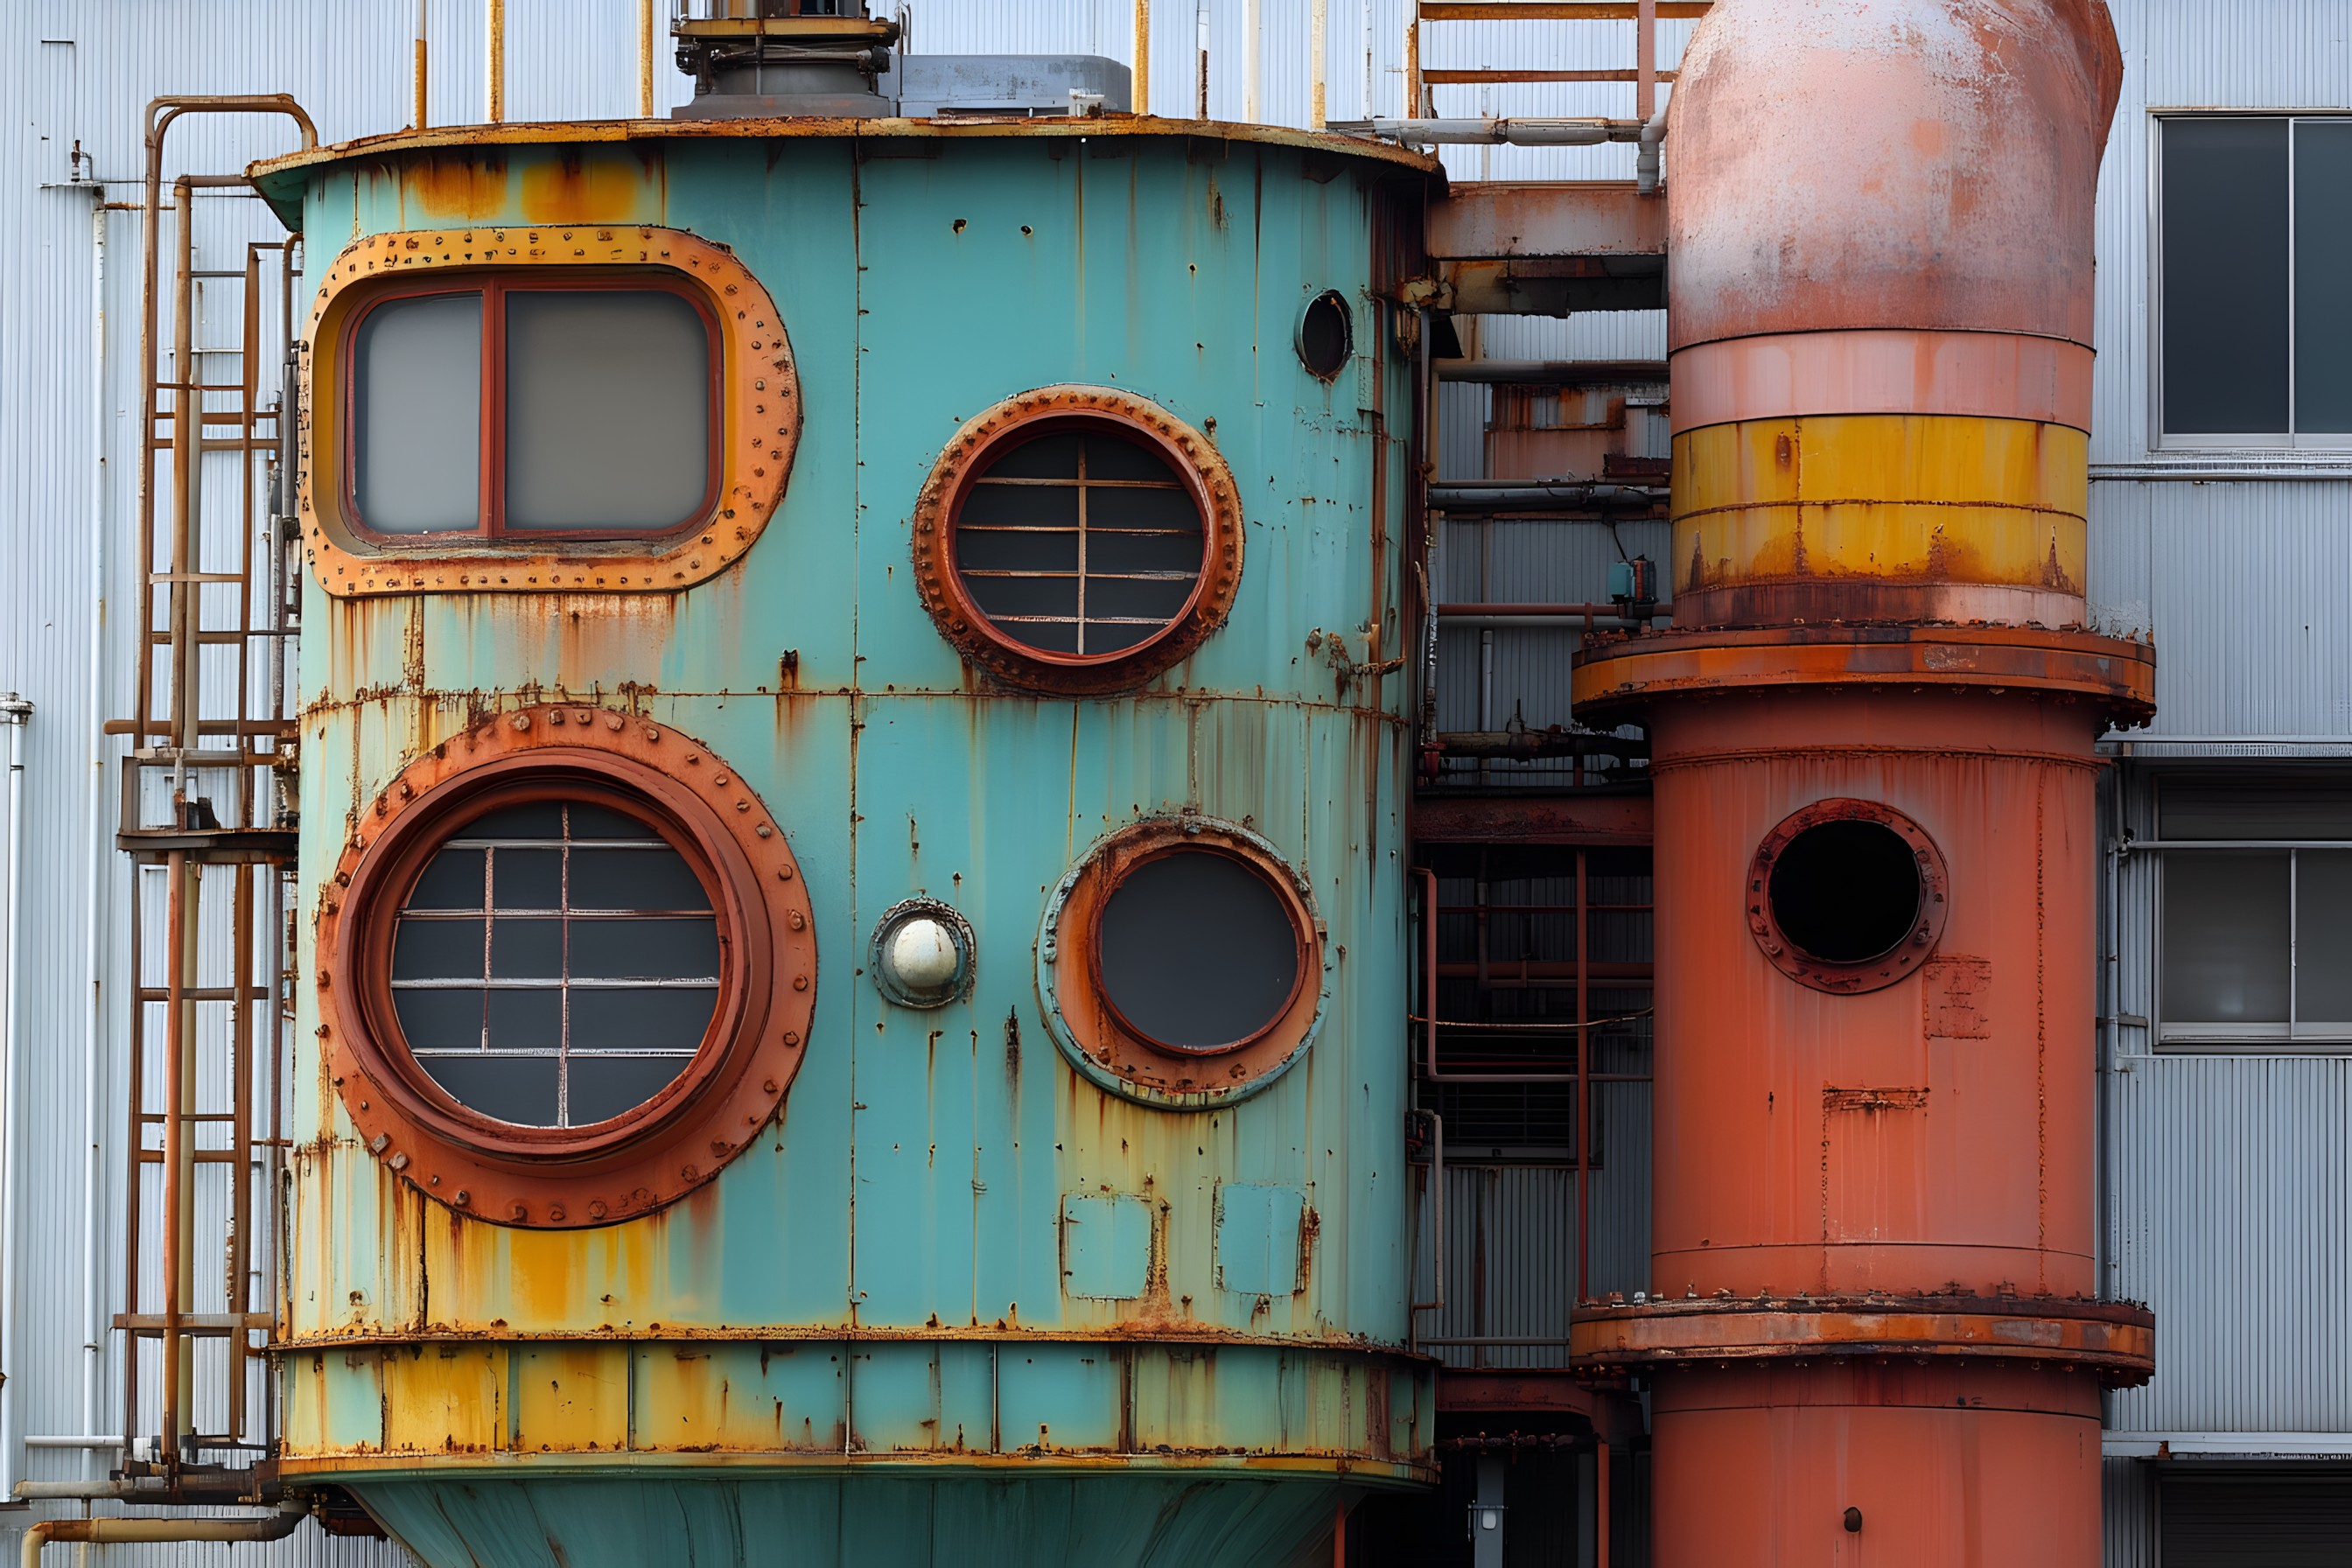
{"x": 567, "y": 968}
{"x": 1078, "y": 539}
{"x": 556, "y": 964}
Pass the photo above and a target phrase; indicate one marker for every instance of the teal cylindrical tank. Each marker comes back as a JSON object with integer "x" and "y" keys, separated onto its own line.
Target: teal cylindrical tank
{"x": 1037, "y": 1190}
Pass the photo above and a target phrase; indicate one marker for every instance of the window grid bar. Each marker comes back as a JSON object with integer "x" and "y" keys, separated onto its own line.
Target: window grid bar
{"x": 1081, "y": 481}
{"x": 1082, "y": 546}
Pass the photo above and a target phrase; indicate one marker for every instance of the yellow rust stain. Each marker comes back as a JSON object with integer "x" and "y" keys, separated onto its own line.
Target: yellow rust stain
{"x": 572, "y": 189}
{"x": 463, "y": 186}
{"x": 1898, "y": 498}
{"x": 445, "y": 1398}
{"x": 571, "y": 1398}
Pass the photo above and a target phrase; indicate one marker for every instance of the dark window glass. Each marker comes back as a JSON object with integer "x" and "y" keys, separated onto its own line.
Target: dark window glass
{"x": 597, "y": 415}
{"x": 578, "y": 1010}
{"x": 2257, "y": 220}
{"x": 1086, "y": 545}
{"x": 1325, "y": 336}
{"x": 1197, "y": 951}
{"x": 2323, "y": 249}
{"x": 2225, "y": 937}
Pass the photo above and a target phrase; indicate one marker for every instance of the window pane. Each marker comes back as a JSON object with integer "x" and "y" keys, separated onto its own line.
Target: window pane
{"x": 604, "y": 1086}
{"x": 437, "y": 949}
{"x": 416, "y": 394}
{"x": 520, "y": 1089}
{"x": 2225, "y": 276}
{"x": 2323, "y": 248}
{"x": 452, "y": 880}
{"x": 651, "y": 1018}
{"x": 439, "y": 1020}
{"x": 608, "y": 410}
{"x": 2323, "y": 936}
{"x": 1196, "y": 951}
{"x": 2225, "y": 938}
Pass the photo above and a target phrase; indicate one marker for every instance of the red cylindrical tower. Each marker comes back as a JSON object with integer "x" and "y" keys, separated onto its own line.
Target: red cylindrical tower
{"x": 1875, "y": 1336}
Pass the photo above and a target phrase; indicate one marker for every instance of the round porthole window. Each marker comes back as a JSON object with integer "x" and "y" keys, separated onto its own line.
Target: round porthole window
{"x": 1847, "y": 896}
{"x": 568, "y": 968}
{"x": 1327, "y": 335}
{"x": 1181, "y": 963}
{"x": 1077, "y": 539}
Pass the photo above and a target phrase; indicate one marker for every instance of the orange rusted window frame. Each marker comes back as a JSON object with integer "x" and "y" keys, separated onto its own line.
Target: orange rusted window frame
{"x": 493, "y": 287}
{"x": 759, "y": 406}
{"x": 1059, "y": 410}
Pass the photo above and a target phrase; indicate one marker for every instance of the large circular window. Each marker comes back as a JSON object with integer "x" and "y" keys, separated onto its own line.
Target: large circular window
{"x": 1077, "y": 539}
{"x": 1181, "y": 963}
{"x": 557, "y": 963}
{"x": 570, "y": 968}
{"x": 1847, "y": 896}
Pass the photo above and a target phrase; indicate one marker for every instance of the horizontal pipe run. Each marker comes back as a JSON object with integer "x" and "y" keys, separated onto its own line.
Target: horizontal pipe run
{"x": 129, "y": 1531}
{"x": 1547, "y": 373}
{"x": 1527, "y": 745}
{"x": 1517, "y": 612}
{"x": 46, "y": 1441}
{"x": 1521, "y": 132}
{"x": 1519, "y": 498}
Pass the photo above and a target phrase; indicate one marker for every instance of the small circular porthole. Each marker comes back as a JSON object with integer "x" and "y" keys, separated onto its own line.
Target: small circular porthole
{"x": 1327, "y": 334}
{"x": 1078, "y": 540}
{"x": 1181, "y": 963}
{"x": 1847, "y": 896}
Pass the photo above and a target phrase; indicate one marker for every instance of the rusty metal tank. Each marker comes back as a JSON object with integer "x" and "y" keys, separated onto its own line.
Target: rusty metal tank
{"x": 853, "y": 956}
{"x": 1874, "y": 1326}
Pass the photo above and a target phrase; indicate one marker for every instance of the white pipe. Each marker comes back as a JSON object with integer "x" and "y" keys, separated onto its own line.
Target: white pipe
{"x": 1645, "y": 161}
{"x": 93, "y": 948}
{"x": 1251, "y": 53}
{"x": 13, "y": 712}
{"x": 1318, "y": 16}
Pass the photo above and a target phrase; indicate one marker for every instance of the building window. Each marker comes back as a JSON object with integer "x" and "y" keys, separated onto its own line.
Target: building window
{"x": 556, "y": 964}
{"x": 1078, "y": 540}
{"x": 2256, "y": 920}
{"x": 530, "y": 409}
{"x": 2255, "y": 216}
{"x": 1181, "y": 963}
{"x": 567, "y": 968}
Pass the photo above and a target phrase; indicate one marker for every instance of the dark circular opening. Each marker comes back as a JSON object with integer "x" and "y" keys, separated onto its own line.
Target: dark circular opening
{"x": 1845, "y": 891}
{"x": 1327, "y": 334}
{"x": 555, "y": 965}
{"x": 1197, "y": 951}
{"x": 1083, "y": 542}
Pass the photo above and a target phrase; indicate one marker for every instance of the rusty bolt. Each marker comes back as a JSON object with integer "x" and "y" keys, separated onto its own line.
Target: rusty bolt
{"x": 791, "y": 1037}
{"x": 768, "y": 1084}
{"x": 398, "y": 1162}
{"x": 721, "y": 782}
{"x": 796, "y": 920}
{"x": 522, "y": 721}
{"x": 690, "y": 1173}
{"x": 596, "y": 1208}
{"x": 763, "y": 830}
{"x": 519, "y": 1211}
{"x": 461, "y": 1197}
{"x": 613, "y": 722}
{"x": 783, "y": 873}
{"x": 556, "y": 1211}
{"x": 800, "y": 982}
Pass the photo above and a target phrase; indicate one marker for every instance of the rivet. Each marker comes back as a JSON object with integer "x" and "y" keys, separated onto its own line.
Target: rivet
{"x": 398, "y": 1162}
{"x": 461, "y": 1197}
{"x": 522, "y": 721}
{"x": 791, "y": 1037}
{"x": 800, "y": 982}
{"x": 783, "y": 873}
{"x": 796, "y": 920}
{"x": 556, "y": 1211}
{"x": 742, "y": 805}
{"x": 596, "y": 1208}
{"x": 556, "y": 717}
{"x": 519, "y": 1212}
{"x": 690, "y": 1173}
{"x": 613, "y": 722}
{"x": 763, "y": 830}
{"x": 769, "y": 1085}
{"x": 720, "y": 780}
{"x": 376, "y": 1144}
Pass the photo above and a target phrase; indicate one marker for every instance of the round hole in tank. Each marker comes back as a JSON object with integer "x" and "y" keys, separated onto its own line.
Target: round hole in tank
{"x": 1327, "y": 334}
{"x": 1196, "y": 951}
{"x": 1847, "y": 896}
{"x": 1845, "y": 892}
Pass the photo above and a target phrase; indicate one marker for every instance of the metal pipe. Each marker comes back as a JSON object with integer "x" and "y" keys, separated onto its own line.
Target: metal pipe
{"x": 1141, "y": 60}
{"x": 128, "y": 1531}
{"x": 418, "y": 119}
{"x": 1525, "y": 744}
{"x": 1253, "y": 51}
{"x": 1647, "y": 160}
{"x": 1436, "y": 1122}
{"x": 1412, "y": 88}
{"x": 179, "y": 1165}
{"x": 645, "y": 60}
{"x": 1508, "y": 611}
{"x": 14, "y": 713}
{"x": 1521, "y": 132}
{"x": 1318, "y": 20}
{"x": 1584, "y": 1087}
{"x": 93, "y": 1032}
{"x": 1491, "y": 498}
{"x": 494, "y": 54}
{"x": 46, "y": 1440}
{"x": 1201, "y": 53}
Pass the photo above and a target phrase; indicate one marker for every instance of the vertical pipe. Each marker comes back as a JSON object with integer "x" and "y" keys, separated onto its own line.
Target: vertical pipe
{"x": 1318, "y": 20}
{"x": 645, "y": 60}
{"x": 1370, "y": 48}
{"x": 1201, "y": 31}
{"x": 1646, "y": 58}
{"x": 93, "y": 914}
{"x": 14, "y": 712}
{"x": 1253, "y": 54}
{"x": 494, "y": 54}
{"x": 1600, "y": 1505}
{"x": 1142, "y": 58}
{"x": 188, "y": 437}
{"x": 179, "y": 1156}
{"x": 1583, "y": 1089}
{"x": 1411, "y": 61}
{"x": 416, "y": 118}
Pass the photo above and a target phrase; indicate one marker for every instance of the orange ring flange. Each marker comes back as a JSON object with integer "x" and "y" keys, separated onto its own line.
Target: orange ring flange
{"x": 759, "y": 417}
{"x": 1195, "y": 460}
{"x": 631, "y": 1164}
{"x": 1088, "y": 1027}
{"x": 1853, "y": 979}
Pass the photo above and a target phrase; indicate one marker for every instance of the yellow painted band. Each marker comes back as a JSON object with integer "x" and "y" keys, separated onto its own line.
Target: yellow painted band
{"x": 1900, "y": 497}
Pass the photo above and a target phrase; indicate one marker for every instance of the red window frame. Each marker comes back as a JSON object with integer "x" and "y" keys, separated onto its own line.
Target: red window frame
{"x": 491, "y": 500}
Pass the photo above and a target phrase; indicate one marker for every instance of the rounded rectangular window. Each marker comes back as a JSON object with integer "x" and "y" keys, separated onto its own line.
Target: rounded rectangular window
{"x": 556, "y": 412}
